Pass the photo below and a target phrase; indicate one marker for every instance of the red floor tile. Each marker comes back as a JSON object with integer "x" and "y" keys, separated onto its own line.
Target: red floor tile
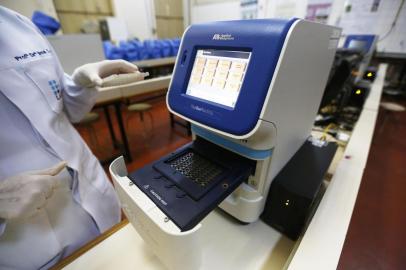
{"x": 377, "y": 233}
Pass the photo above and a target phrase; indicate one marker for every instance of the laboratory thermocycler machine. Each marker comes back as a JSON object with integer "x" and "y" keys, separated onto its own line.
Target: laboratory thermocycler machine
{"x": 251, "y": 90}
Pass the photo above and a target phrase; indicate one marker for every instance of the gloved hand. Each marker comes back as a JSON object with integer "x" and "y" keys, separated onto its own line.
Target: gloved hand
{"x": 91, "y": 75}
{"x": 23, "y": 195}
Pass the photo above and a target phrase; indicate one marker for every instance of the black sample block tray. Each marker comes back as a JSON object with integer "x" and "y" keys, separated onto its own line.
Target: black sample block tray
{"x": 190, "y": 182}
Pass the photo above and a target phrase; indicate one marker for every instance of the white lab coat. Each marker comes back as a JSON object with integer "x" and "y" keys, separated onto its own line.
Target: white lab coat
{"x": 32, "y": 79}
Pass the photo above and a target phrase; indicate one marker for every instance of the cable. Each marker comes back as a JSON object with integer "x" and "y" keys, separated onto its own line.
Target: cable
{"x": 324, "y": 135}
{"x": 394, "y": 22}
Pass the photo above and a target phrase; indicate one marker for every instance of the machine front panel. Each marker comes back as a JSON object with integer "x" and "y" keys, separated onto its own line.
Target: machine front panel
{"x": 224, "y": 70}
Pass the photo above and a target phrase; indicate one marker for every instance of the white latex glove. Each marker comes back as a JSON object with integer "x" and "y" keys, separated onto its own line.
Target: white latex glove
{"x": 124, "y": 79}
{"x": 21, "y": 196}
{"x": 91, "y": 75}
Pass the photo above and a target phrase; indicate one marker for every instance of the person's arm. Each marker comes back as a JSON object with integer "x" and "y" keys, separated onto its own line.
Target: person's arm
{"x": 77, "y": 100}
{"x": 81, "y": 89}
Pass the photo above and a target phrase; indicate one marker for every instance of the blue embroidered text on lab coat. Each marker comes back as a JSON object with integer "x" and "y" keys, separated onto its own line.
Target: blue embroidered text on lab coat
{"x": 32, "y": 54}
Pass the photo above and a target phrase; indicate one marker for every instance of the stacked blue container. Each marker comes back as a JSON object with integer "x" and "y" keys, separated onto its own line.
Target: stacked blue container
{"x": 142, "y": 50}
{"x": 175, "y": 43}
{"x": 135, "y": 50}
{"x": 154, "y": 48}
{"x": 130, "y": 52}
{"x": 166, "y": 48}
{"x": 111, "y": 51}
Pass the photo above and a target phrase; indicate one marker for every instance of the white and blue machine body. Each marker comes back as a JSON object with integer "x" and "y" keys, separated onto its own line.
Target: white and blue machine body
{"x": 251, "y": 90}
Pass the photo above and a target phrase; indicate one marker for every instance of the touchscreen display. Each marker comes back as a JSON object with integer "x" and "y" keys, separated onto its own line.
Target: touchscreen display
{"x": 359, "y": 45}
{"x": 217, "y": 75}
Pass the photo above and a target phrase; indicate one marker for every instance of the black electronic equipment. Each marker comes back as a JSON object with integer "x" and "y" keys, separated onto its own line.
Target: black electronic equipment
{"x": 338, "y": 93}
{"x": 370, "y": 74}
{"x": 359, "y": 94}
{"x": 293, "y": 193}
{"x": 341, "y": 75}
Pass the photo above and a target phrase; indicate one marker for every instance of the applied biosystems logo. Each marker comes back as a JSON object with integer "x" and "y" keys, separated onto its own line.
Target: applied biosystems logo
{"x": 223, "y": 37}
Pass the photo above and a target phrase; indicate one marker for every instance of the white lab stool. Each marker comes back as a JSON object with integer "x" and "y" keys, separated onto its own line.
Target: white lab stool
{"x": 141, "y": 109}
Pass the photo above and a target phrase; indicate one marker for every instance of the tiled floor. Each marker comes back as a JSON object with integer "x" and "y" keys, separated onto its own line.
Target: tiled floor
{"x": 146, "y": 144}
{"x": 376, "y": 238}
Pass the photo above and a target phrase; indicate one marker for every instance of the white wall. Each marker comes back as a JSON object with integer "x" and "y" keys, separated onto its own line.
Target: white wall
{"x": 336, "y": 11}
{"x": 362, "y": 20}
{"x": 359, "y": 22}
{"x": 27, "y": 7}
{"x": 205, "y": 11}
{"x": 218, "y": 11}
{"x": 187, "y": 5}
{"x": 138, "y": 15}
{"x": 282, "y": 8}
{"x": 395, "y": 41}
